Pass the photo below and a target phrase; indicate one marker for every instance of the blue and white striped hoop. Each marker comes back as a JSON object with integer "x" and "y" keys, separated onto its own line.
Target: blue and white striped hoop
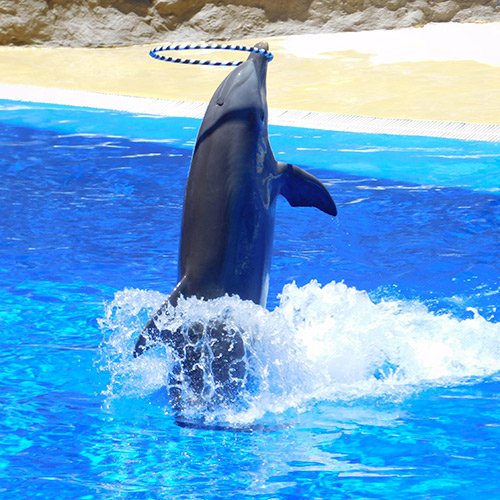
{"x": 255, "y": 50}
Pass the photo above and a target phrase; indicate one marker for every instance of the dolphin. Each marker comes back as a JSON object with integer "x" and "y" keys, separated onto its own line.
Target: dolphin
{"x": 228, "y": 217}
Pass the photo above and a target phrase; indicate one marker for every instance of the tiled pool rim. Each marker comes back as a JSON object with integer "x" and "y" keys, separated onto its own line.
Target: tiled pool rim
{"x": 283, "y": 117}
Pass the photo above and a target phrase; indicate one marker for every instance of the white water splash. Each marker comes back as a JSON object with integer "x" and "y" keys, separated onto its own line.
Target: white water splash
{"x": 330, "y": 343}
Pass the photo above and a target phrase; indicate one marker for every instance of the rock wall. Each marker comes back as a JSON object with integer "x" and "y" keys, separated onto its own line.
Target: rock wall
{"x": 102, "y": 23}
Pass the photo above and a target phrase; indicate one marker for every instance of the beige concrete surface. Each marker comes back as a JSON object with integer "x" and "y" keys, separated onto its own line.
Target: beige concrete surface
{"x": 444, "y": 72}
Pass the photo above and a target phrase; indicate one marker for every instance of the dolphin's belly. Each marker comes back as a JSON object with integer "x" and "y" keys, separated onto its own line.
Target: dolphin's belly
{"x": 249, "y": 253}
{"x": 226, "y": 242}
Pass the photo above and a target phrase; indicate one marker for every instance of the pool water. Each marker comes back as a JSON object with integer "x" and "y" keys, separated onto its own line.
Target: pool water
{"x": 377, "y": 359}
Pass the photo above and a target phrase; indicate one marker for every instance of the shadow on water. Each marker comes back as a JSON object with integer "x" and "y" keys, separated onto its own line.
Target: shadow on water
{"x": 251, "y": 428}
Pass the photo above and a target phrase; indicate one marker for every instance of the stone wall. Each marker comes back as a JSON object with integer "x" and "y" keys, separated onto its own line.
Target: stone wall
{"x": 103, "y": 23}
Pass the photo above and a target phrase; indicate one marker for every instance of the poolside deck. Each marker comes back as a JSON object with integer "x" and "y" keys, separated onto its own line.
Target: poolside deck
{"x": 446, "y": 73}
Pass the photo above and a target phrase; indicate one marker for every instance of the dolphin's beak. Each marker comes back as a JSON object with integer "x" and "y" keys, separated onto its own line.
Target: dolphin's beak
{"x": 262, "y": 45}
{"x": 259, "y": 60}
{"x": 260, "y": 64}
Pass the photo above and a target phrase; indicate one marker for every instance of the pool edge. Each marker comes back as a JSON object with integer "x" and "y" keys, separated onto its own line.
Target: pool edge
{"x": 281, "y": 117}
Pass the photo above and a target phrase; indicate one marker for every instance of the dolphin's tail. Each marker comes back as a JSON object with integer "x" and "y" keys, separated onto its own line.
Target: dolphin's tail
{"x": 150, "y": 333}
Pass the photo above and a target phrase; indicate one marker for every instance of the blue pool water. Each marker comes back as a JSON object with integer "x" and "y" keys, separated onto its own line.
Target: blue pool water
{"x": 378, "y": 356}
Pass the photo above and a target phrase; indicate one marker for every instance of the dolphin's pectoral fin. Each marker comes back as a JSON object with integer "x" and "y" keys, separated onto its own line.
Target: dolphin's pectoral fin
{"x": 302, "y": 189}
{"x": 150, "y": 333}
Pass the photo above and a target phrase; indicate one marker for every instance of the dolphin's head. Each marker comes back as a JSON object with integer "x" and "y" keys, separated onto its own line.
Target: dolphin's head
{"x": 243, "y": 92}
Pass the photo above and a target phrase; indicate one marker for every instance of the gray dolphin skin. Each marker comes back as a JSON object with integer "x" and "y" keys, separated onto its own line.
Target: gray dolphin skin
{"x": 228, "y": 217}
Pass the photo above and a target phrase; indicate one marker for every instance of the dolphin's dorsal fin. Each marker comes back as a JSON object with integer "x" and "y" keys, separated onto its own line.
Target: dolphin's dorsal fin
{"x": 302, "y": 189}
{"x": 150, "y": 331}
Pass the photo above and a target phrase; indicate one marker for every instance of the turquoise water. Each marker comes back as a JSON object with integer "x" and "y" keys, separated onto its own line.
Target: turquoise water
{"x": 378, "y": 357}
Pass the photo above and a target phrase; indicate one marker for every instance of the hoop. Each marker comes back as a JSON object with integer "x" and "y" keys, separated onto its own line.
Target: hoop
{"x": 255, "y": 50}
